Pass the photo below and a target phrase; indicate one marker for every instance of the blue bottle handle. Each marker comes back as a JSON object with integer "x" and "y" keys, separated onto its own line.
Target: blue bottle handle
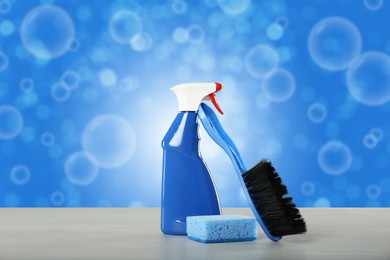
{"x": 211, "y": 123}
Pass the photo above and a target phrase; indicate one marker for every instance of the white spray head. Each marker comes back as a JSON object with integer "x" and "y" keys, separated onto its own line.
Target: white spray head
{"x": 190, "y": 95}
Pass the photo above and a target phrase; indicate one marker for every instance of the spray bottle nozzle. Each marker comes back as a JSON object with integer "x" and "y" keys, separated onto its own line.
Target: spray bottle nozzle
{"x": 190, "y": 95}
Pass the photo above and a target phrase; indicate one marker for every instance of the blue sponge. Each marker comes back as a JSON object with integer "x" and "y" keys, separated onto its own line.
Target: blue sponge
{"x": 221, "y": 228}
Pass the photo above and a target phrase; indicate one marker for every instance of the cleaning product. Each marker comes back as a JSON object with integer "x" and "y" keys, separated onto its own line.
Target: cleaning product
{"x": 277, "y": 214}
{"x": 187, "y": 187}
{"x": 222, "y": 228}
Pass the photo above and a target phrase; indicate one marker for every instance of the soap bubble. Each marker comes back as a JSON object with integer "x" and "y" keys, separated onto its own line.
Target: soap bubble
{"x": 110, "y": 140}
{"x": 334, "y": 157}
{"x": 370, "y": 141}
{"x": 47, "y": 31}
{"x": 334, "y": 43}
{"x": 180, "y": 35}
{"x": 261, "y": 60}
{"x": 317, "y": 112}
{"x": 124, "y": 25}
{"x": 322, "y": 203}
{"x": 60, "y": 92}
{"x": 107, "y": 77}
{"x": 3, "y": 61}
{"x": 179, "y": 6}
{"x": 27, "y": 84}
{"x": 81, "y": 168}
{"x": 20, "y": 174}
{"x": 307, "y": 188}
{"x": 57, "y": 198}
{"x": 5, "y": 6}
{"x": 129, "y": 83}
{"x": 195, "y": 33}
{"x": 368, "y": 79}
{"x": 234, "y": 7}
{"x": 11, "y": 122}
{"x": 274, "y": 31}
{"x": 47, "y": 139}
{"x": 141, "y": 42}
{"x": 373, "y": 5}
{"x": 71, "y": 79}
{"x": 279, "y": 86}
{"x": 377, "y": 132}
{"x": 373, "y": 191}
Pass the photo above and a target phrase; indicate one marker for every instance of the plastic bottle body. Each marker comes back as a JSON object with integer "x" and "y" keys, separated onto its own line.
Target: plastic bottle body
{"x": 187, "y": 187}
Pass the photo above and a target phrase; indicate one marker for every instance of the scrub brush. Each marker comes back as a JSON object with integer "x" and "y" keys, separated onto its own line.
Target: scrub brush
{"x": 266, "y": 194}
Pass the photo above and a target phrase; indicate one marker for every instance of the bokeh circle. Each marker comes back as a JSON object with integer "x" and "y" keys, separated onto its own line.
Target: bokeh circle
{"x": 11, "y": 122}
{"x": 57, "y": 198}
{"x": 71, "y": 79}
{"x": 373, "y": 5}
{"x": 307, "y": 188}
{"x": 27, "y": 84}
{"x": 5, "y": 6}
{"x": 377, "y": 132}
{"x": 373, "y": 191}
{"x": 179, "y": 6}
{"x": 141, "y": 42}
{"x": 20, "y": 174}
{"x": 261, "y": 60}
{"x": 47, "y": 32}
{"x": 234, "y": 7}
{"x": 124, "y": 25}
{"x": 334, "y": 43}
{"x": 368, "y": 79}
{"x": 317, "y": 112}
{"x": 370, "y": 141}
{"x": 81, "y": 168}
{"x": 47, "y": 139}
{"x": 129, "y": 83}
{"x": 110, "y": 140}
{"x": 334, "y": 157}
{"x": 60, "y": 92}
{"x": 3, "y": 61}
{"x": 279, "y": 86}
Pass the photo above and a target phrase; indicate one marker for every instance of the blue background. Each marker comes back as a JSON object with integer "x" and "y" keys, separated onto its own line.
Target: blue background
{"x": 117, "y": 79}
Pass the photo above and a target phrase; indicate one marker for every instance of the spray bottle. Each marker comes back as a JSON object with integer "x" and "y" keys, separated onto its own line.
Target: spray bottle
{"x": 187, "y": 187}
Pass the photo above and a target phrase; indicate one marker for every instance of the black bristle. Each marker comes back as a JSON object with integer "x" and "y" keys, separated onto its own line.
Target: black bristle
{"x": 268, "y": 194}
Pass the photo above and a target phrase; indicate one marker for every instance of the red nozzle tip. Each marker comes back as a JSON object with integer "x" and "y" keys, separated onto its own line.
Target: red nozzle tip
{"x": 219, "y": 86}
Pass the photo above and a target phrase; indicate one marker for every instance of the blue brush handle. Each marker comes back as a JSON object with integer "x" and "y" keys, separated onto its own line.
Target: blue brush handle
{"x": 211, "y": 123}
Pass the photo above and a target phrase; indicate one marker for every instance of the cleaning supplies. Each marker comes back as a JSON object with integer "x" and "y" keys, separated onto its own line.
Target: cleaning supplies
{"x": 262, "y": 186}
{"x": 223, "y": 228}
{"x": 187, "y": 187}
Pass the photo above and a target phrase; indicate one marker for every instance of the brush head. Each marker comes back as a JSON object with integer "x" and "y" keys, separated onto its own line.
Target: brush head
{"x": 278, "y": 212}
